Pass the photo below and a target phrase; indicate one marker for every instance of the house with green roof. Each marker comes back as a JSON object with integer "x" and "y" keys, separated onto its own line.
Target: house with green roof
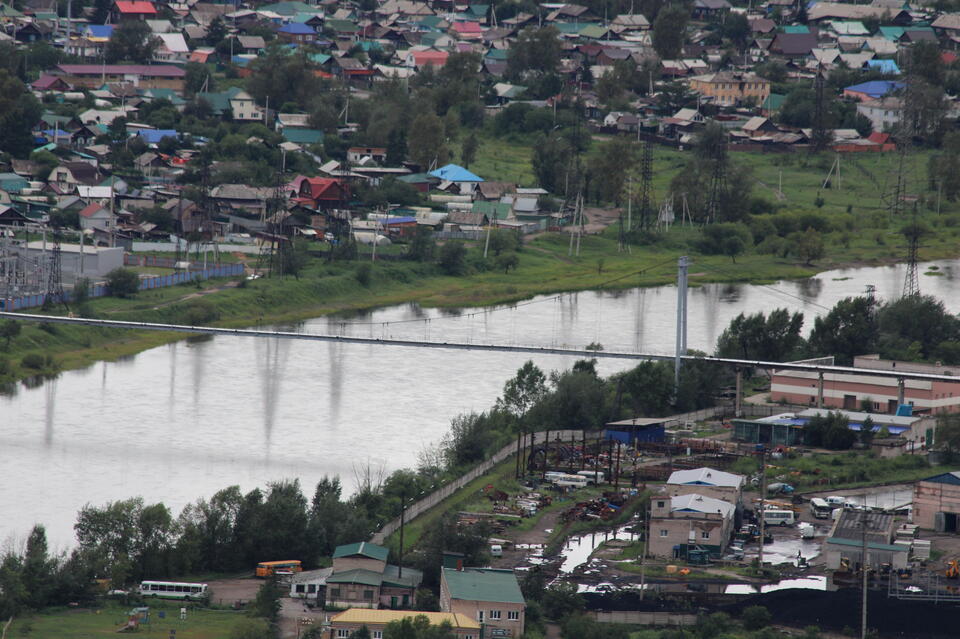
{"x": 290, "y": 8}
{"x": 492, "y": 596}
{"x": 303, "y": 137}
{"x": 362, "y": 578}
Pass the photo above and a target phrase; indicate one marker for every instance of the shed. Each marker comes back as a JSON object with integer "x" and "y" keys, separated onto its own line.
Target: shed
{"x": 638, "y": 429}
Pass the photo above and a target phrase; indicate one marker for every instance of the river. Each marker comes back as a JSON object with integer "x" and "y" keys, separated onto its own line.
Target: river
{"x": 181, "y": 421}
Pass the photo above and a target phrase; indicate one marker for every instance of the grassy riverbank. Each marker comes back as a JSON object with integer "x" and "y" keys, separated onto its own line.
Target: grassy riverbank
{"x": 544, "y": 268}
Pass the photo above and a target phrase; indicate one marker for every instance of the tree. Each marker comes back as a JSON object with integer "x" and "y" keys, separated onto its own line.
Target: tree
{"x": 947, "y": 436}
{"x": 38, "y": 569}
{"x": 669, "y": 30}
{"x": 133, "y": 41}
{"x": 196, "y": 76}
{"x": 561, "y": 600}
{"x": 736, "y": 28}
{"x": 9, "y": 331}
{"x": 453, "y": 258}
{"x": 915, "y": 327}
{"x": 523, "y": 390}
{"x": 123, "y": 282}
{"x": 469, "y": 151}
{"x": 427, "y": 142}
{"x": 19, "y": 113}
{"x": 423, "y": 246}
{"x": 773, "y": 338}
{"x": 733, "y": 246}
{"x": 552, "y": 163}
{"x": 535, "y": 53}
{"x": 267, "y": 603}
{"x": 809, "y": 245}
{"x": 507, "y": 261}
{"x": 847, "y": 330}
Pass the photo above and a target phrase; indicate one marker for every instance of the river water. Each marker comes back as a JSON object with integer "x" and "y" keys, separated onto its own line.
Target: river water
{"x": 184, "y": 420}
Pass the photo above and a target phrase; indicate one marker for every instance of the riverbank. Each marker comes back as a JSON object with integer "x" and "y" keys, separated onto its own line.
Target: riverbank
{"x": 358, "y": 287}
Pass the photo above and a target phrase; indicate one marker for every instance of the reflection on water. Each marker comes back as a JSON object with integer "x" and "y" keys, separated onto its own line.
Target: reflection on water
{"x": 182, "y": 421}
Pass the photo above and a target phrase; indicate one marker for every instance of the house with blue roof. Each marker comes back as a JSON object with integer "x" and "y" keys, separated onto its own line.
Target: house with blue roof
{"x": 153, "y": 136}
{"x": 462, "y": 179}
{"x": 873, "y": 90}
{"x": 297, "y": 33}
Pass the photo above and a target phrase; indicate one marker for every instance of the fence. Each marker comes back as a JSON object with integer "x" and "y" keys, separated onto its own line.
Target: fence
{"x": 146, "y": 283}
{"x": 643, "y": 618}
{"x": 418, "y": 508}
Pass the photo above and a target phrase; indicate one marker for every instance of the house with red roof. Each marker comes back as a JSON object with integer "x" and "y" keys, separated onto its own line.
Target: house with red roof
{"x": 50, "y": 83}
{"x": 323, "y": 193}
{"x": 96, "y": 217}
{"x": 466, "y": 30}
{"x": 420, "y": 59}
{"x": 127, "y": 10}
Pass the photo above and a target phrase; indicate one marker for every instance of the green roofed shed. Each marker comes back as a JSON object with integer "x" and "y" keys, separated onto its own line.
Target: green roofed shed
{"x": 363, "y": 548}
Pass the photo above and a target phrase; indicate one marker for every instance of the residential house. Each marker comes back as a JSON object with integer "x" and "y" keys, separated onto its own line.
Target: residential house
{"x": 239, "y": 197}
{"x": 309, "y": 584}
{"x": 160, "y": 76}
{"x": 50, "y": 83}
{"x": 793, "y": 46}
{"x": 829, "y": 11}
{"x": 491, "y": 596}
{"x": 96, "y": 217}
{"x": 323, "y": 193}
{"x": 425, "y": 58}
{"x": 690, "y": 522}
{"x": 347, "y": 623}
{"x": 128, "y": 10}
{"x": 362, "y": 578}
{"x": 884, "y": 114}
{"x": 936, "y": 502}
{"x": 731, "y": 89}
{"x": 250, "y": 44}
{"x": 707, "y": 9}
{"x": 460, "y": 178}
{"x": 873, "y": 90}
{"x": 356, "y": 154}
{"x": 759, "y": 126}
{"x": 236, "y": 102}
{"x": 172, "y": 48}
{"x": 947, "y": 27}
{"x": 70, "y": 174}
{"x": 296, "y": 33}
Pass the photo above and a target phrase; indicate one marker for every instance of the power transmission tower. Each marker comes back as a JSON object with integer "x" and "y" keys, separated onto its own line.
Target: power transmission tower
{"x": 820, "y": 136}
{"x": 647, "y": 204}
{"x": 896, "y": 194}
{"x": 717, "y": 189}
{"x": 55, "y": 276}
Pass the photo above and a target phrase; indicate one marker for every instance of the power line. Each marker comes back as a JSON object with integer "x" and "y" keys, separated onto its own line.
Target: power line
{"x": 805, "y": 300}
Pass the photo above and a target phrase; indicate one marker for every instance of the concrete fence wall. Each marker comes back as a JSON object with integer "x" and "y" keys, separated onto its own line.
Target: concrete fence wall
{"x": 644, "y": 618}
{"x": 436, "y": 497}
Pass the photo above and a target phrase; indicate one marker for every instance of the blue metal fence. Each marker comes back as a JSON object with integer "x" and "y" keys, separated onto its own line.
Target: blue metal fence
{"x": 146, "y": 283}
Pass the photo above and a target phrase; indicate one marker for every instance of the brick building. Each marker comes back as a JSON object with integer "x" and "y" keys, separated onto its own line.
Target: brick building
{"x": 731, "y": 89}
{"x": 489, "y": 595}
{"x": 936, "y": 502}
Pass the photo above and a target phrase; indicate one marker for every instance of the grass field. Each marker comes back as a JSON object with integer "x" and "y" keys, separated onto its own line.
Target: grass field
{"x": 85, "y": 623}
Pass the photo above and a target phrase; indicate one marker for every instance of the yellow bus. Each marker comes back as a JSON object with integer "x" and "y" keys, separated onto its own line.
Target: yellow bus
{"x": 270, "y": 568}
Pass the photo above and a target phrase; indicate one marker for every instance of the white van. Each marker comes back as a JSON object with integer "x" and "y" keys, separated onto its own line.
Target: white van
{"x": 836, "y": 500}
{"x": 593, "y": 476}
{"x": 571, "y": 481}
{"x": 779, "y": 517}
{"x": 496, "y": 550}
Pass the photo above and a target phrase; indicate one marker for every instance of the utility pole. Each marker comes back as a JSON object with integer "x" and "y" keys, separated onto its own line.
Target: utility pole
{"x": 763, "y": 496}
{"x": 863, "y": 568}
{"x": 403, "y": 511}
{"x": 682, "y": 264}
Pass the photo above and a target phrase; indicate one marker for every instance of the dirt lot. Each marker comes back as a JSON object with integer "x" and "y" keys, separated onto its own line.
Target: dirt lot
{"x": 228, "y": 591}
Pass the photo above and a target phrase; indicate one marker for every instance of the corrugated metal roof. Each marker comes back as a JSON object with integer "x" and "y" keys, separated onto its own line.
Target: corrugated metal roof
{"x": 946, "y": 478}
{"x": 364, "y": 548}
{"x": 483, "y": 584}
{"x": 356, "y": 576}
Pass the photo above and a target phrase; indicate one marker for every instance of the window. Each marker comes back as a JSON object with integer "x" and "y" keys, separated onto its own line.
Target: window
{"x": 513, "y": 615}
{"x": 311, "y": 588}
{"x": 495, "y": 614}
{"x": 705, "y": 534}
{"x": 300, "y": 588}
{"x": 368, "y": 594}
{"x": 378, "y": 634}
{"x": 661, "y": 503}
{"x": 480, "y": 616}
{"x": 342, "y": 633}
{"x": 334, "y": 592}
{"x": 664, "y": 533}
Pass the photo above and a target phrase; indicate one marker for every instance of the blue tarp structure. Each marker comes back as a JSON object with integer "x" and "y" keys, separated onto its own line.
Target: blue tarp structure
{"x": 153, "y": 136}
{"x": 887, "y": 67}
{"x": 645, "y": 434}
{"x": 876, "y": 88}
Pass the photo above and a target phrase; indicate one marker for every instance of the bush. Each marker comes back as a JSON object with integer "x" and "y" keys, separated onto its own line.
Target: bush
{"x": 364, "y": 274}
{"x": 755, "y": 617}
{"x": 453, "y": 258}
{"x": 36, "y": 361}
{"x": 200, "y": 312}
{"x": 122, "y": 282}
